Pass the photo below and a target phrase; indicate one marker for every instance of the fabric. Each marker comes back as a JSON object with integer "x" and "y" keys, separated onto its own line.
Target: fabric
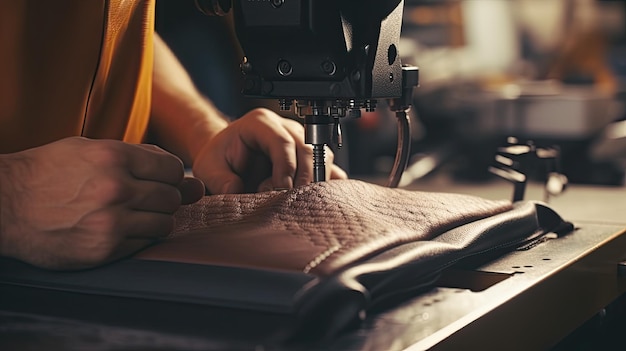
{"x": 317, "y": 229}
{"x": 74, "y": 67}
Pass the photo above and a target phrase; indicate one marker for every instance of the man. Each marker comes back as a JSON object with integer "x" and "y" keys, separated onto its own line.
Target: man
{"x": 80, "y": 84}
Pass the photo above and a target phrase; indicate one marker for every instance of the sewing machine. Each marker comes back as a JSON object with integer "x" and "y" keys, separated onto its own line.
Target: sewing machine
{"x": 333, "y": 58}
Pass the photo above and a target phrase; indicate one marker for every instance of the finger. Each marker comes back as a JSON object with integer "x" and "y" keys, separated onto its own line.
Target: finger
{"x": 152, "y": 147}
{"x": 337, "y": 173}
{"x": 130, "y": 246}
{"x": 191, "y": 190}
{"x": 304, "y": 154}
{"x": 216, "y": 172}
{"x": 304, "y": 174}
{"x": 266, "y": 185}
{"x": 149, "y": 162}
{"x": 157, "y": 197}
{"x": 147, "y": 225}
{"x": 271, "y": 137}
{"x": 224, "y": 182}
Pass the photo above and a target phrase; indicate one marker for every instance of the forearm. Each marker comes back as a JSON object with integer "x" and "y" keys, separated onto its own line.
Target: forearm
{"x": 181, "y": 118}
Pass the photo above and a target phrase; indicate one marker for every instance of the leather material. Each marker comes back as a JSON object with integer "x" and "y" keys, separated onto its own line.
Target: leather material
{"x": 406, "y": 270}
{"x": 74, "y": 67}
{"x": 366, "y": 245}
{"x": 319, "y": 228}
{"x": 321, "y": 256}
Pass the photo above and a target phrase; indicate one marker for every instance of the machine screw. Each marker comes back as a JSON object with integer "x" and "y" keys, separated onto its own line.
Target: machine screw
{"x": 249, "y": 84}
{"x": 278, "y": 3}
{"x": 284, "y": 104}
{"x": 267, "y": 88}
{"x": 355, "y": 113}
{"x": 370, "y": 105}
{"x": 284, "y": 68}
{"x": 329, "y": 67}
{"x": 245, "y": 66}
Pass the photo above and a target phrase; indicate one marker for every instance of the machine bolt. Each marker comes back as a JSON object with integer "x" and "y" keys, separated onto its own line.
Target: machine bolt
{"x": 284, "y": 68}
{"x": 249, "y": 84}
{"x": 329, "y": 67}
{"x": 284, "y": 104}
{"x": 355, "y": 113}
{"x": 370, "y": 105}
{"x": 245, "y": 66}
{"x": 267, "y": 88}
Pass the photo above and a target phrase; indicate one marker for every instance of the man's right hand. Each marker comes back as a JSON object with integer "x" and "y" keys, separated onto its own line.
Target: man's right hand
{"x": 77, "y": 203}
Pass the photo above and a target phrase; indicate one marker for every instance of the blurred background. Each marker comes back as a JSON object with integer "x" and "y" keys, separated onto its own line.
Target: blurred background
{"x": 548, "y": 71}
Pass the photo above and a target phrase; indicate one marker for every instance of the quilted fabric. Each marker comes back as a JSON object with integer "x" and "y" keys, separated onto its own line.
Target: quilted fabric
{"x": 318, "y": 229}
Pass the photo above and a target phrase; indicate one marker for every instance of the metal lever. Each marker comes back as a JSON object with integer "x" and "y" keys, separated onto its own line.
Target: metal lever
{"x": 516, "y": 161}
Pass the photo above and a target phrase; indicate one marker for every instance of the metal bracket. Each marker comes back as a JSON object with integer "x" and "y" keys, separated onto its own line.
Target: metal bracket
{"x": 516, "y": 161}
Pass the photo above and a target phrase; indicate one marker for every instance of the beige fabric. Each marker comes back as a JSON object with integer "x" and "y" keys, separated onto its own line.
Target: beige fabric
{"x": 317, "y": 228}
{"x": 72, "y": 67}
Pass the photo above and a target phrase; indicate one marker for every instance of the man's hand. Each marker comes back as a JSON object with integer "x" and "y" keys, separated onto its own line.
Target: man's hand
{"x": 260, "y": 151}
{"x": 77, "y": 203}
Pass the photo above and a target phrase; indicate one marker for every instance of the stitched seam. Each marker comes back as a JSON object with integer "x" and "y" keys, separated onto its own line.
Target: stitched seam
{"x": 320, "y": 258}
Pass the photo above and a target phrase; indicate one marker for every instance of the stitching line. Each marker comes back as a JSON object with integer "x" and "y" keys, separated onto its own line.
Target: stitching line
{"x": 320, "y": 258}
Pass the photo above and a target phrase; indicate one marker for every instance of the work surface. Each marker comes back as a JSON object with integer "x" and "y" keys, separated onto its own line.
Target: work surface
{"x": 579, "y": 203}
{"x": 529, "y": 299}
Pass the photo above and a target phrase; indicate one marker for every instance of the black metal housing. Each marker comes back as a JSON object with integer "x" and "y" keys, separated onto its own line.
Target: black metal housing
{"x": 320, "y": 49}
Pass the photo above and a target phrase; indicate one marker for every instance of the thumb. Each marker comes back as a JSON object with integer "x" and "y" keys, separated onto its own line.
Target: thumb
{"x": 191, "y": 190}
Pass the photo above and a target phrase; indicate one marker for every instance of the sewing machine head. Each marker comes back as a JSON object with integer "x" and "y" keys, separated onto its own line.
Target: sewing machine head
{"x": 333, "y": 57}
